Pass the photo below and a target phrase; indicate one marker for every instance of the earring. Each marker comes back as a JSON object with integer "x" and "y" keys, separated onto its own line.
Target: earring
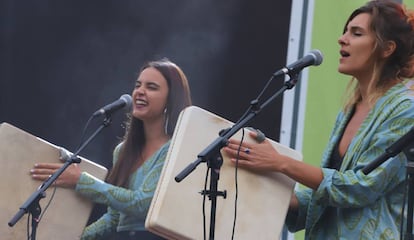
{"x": 166, "y": 121}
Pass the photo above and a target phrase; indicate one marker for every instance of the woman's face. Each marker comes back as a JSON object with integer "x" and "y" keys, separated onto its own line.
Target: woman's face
{"x": 357, "y": 48}
{"x": 150, "y": 95}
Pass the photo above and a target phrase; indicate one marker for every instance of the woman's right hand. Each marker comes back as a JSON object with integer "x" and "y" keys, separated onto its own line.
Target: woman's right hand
{"x": 68, "y": 179}
{"x": 255, "y": 156}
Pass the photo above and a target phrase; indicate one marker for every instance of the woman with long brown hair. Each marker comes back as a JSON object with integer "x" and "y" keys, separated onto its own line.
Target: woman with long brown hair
{"x": 160, "y": 93}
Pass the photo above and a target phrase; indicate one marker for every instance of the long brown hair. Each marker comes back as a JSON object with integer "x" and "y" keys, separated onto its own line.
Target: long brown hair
{"x": 390, "y": 21}
{"x": 178, "y": 98}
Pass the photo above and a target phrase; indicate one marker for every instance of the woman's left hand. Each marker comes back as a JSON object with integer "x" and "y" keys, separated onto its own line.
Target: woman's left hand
{"x": 68, "y": 178}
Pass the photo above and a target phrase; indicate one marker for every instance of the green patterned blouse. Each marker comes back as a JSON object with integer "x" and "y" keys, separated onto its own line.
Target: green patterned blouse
{"x": 349, "y": 204}
{"x": 127, "y": 208}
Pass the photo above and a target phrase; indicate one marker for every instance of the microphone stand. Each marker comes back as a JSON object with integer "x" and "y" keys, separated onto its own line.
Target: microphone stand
{"x": 406, "y": 145}
{"x": 409, "y": 152}
{"x": 32, "y": 205}
{"x": 212, "y": 156}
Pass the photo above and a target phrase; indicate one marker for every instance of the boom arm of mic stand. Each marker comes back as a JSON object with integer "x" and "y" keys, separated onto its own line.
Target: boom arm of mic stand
{"x": 213, "y": 148}
{"x": 221, "y": 141}
{"x": 391, "y": 151}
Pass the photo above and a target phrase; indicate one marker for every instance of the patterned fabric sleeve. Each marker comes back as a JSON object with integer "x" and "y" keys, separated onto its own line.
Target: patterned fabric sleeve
{"x": 130, "y": 202}
{"x": 133, "y": 202}
{"x": 101, "y": 227}
{"x": 296, "y": 220}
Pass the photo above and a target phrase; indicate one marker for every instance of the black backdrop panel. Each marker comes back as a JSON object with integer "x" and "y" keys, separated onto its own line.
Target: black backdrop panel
{"x": 62, "y": 60}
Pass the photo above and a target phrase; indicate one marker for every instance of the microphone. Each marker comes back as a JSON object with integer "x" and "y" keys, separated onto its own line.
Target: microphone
{"x": 260, "y": 137}
{"x": 313, "y": 58}
{"x": 124, "y": 101}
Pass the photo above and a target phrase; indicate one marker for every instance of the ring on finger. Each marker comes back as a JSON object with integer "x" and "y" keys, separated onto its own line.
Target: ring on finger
{"x": 247, "y": 151}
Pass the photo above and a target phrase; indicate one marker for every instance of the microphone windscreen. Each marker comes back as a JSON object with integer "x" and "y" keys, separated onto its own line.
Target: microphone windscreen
{"x": 260, "y": 137}
{"x": 128, "y": 101}
{"x": 318, "y": 56}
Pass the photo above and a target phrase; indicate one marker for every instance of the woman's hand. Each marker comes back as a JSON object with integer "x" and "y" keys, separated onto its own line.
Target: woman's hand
{"x": 264, "y": 157}
{"x": 255, "y": 156}
{"x": 68, "y": 179}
